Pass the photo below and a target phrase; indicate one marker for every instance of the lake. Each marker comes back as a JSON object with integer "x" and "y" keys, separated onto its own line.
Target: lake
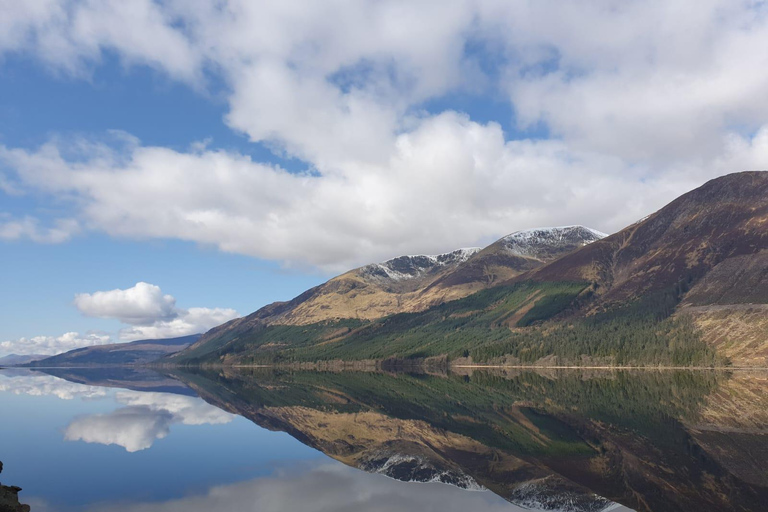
{"x": 135, "y": 440}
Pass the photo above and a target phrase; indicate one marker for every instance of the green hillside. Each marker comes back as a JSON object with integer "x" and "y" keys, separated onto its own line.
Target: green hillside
{"x": 518, "y": 324}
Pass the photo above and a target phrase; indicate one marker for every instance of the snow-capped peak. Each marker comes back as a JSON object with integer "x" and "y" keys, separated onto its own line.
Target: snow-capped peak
{"x": 413, "y": 266}
{"x": 534, "y": 243}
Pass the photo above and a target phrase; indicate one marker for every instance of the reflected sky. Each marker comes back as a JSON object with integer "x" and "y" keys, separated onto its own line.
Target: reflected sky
{"x": 325, "y": 487}
{"x": 70, "y": 445}
{"x": 76, "y": 447}
{"x": 147, "y": 417}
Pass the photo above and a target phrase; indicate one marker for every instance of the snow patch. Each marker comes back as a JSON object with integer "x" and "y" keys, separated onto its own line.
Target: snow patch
{"x": 416, "y": 265}
{"x": 533, "y": 243}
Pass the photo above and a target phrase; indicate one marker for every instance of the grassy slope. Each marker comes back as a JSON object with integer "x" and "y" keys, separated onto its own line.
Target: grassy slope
{"x": 511, "y": 324}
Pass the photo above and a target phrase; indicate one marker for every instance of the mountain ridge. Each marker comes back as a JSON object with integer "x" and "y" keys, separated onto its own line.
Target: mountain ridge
{"x": 118, "y": 354}
{"x": 366, "y": 293}
{"x": 617, "y": 300}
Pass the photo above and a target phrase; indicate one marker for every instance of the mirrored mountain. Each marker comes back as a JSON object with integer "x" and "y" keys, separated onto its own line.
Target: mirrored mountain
{"x": 566, "y": 441}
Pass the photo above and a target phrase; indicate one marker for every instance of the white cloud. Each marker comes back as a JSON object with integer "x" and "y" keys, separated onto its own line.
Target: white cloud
{"x": 147, "y": 418}
{"x": 50, "y": 345}
{"x": 645, "y": 100}
{"x": 28, "y": 228}
{"x": 150, "y": 313}
{"x": 655, "y": 81}
{"x": 142, "y": 304}
{"x": 450, "y": 182}
{"x": 187, "y": 321}
{"x": 70, "y": 35}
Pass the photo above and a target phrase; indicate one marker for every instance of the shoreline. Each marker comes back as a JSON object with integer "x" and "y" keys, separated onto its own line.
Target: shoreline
{"x": 351, "y": 364}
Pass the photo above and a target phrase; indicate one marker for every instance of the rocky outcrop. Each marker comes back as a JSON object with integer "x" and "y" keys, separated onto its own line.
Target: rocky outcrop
{"x": 9, "y": 498}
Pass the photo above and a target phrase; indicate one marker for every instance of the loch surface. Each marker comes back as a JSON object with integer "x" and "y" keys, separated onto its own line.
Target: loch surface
{"x": 278, "y": 441}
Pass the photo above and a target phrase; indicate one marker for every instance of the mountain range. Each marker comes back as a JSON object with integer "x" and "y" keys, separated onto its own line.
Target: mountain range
{"x": 116, "y": 354}
{"x": 684, "y": 286}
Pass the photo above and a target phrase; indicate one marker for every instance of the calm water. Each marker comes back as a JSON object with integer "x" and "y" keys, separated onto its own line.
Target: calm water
{"x": 125, "y": 440}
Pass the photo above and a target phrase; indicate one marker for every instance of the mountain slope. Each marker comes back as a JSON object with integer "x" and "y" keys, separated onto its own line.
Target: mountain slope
{"x": 678, "y": 245}
{"x": 406, "y": 284}
{"x": 513, "y": 255}
{"x": 710, "y": 245}
{"x": 135, "y": 352}
{"x": 370, "y": 292}
{"x": 620, "y": 300}
{"x": 415, "y": 283}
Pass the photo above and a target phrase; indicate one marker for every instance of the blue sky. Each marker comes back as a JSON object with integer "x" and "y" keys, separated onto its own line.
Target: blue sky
{"x": 229, "y": 154}
{"x": 41, "y": 280}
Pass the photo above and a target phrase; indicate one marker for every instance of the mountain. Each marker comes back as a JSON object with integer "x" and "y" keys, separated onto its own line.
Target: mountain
{"x": 678, "y": 245}
{"x": 408, "y": 284}
{"x": 415, "y": 283}
{"x": 116, "y": 354}
{"x": 513, "y": 255}
{"x": 686, "y": 286}
{"x": 709, "y": 246}
{"x": 16, "y": 359}
{"x": 369, "y": 292}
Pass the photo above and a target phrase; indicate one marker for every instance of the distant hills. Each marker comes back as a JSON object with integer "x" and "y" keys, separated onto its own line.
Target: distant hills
{"x": 16, "y": 359}
{"x": 684, "y": 286}
{"x": 117, "y": 354}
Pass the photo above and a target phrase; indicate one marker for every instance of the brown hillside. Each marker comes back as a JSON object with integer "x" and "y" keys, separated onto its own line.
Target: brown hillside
{"x": 725, "y": 218}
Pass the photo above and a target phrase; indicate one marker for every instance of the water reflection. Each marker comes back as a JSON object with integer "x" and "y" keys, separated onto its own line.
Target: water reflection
{"x": 327, "y": 488}
{"x": 559, "y": 441}
{"x": 148, "y": 417}
{"x": 23, "y": 382}
{"x": 570, "y": 441}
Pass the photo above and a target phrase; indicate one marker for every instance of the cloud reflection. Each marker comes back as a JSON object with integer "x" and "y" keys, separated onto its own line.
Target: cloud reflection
{"x": 35, "y": 384}
{"x": 327, "y": 488}
{"x": 147, "y": 417}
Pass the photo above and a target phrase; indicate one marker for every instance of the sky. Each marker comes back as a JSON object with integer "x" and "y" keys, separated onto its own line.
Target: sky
{"x": 168, "y": 165}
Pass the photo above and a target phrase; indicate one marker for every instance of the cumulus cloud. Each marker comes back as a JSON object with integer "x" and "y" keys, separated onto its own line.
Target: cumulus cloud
{"x": 150, "y": 313}
{"x": 50, "y": 345}
{"x": 450, "y": 182}
{"x": 147, "y": 418}
{"x": 142, "y": 304}
{"x": 69, "y": 35}
{"x": 644, "y": 101}
{"x": 186, "y": 321}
